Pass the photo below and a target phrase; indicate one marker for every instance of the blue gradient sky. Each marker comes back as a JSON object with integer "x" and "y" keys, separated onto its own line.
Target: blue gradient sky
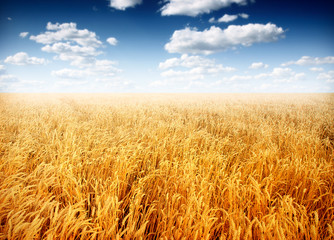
{"x": 276, "y": 46}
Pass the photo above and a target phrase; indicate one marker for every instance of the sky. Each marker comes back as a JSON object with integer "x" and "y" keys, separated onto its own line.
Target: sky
{"x": 166, "y": 46}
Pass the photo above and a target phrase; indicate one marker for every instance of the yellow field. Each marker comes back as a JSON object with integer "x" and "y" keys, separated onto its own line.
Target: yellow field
{"x": 166, "y": 166}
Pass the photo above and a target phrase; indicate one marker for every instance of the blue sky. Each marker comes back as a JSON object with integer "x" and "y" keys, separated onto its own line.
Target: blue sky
{"x": 166, "y": 46}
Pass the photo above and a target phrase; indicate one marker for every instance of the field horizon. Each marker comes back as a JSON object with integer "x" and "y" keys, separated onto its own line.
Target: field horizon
{"x": 166, "y": 166}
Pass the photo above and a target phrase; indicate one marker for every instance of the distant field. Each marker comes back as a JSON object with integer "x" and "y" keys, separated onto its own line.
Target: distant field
{"x": 166, "y": 166}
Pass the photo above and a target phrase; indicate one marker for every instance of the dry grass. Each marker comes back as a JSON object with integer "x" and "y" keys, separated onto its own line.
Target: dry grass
{"x": 166, "y": 166}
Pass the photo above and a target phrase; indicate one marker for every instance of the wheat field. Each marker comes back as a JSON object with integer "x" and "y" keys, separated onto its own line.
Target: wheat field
{"x": 166, "y": 166}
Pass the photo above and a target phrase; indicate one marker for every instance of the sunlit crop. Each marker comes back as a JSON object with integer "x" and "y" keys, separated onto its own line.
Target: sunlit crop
{"x": 166, "y": 166}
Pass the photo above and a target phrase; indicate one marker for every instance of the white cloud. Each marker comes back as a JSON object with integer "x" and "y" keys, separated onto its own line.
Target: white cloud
{"x": 67, "y": 32}
{"x": 196, "y": 7}
{"x": 307, "y": 60}
{"x": 328, "y": 77}
{"x": 81, "y": 56}
{"x": 244, "y": 15}
{"x": 22, "y": 58}
{"x": 212, "y": 20}
{"x": 187, "y": 61}
{"x": 258, "y": 65}
{"x": 9, "y": 19}
{"x": 112, "y": 41}
{"x": 316, "y": 69}
{"x": 80, "y": 47}
{"x": 123, "y": 4}
{"x": 228, "y": 18}
{"x": 216, "y": 39}
{"x": 196, "y": 68}
{"x": 24, "y": 34}
{"x": 67, "y": 48}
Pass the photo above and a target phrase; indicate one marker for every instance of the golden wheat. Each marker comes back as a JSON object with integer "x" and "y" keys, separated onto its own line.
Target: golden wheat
{"x": 166, "y": 166}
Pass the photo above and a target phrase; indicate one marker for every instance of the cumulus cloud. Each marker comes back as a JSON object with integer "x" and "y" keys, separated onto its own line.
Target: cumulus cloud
{"x": 286, "y": 75}
{"x": 22, "y": 58}
{"x": 2, "y": 68}
{"x": 328, "y": 77}
{"x": 307, "y": 60}
{"x": 24, "y": 34}
{"x": 78, "y": 46}
{"x": 229, "y": 18}
{"x": 81, "y": 56}
{"x": 67, "y": 32}
{"x": 112, "y": 41}
{"x": 81, "y": 48}
{"x": 196, "y": 7}
{"x": 187, "y": 61}
{"x": 258, "y": 65}
{"x": 192, "y": 68}
{"x": 216, "y": 39}
{"x": 124, "y": 4}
